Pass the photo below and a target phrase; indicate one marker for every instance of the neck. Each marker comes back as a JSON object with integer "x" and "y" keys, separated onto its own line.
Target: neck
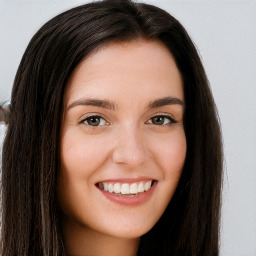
{"x": 83, "y": 241}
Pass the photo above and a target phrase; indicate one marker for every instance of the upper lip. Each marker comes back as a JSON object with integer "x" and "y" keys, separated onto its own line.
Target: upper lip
{"x": 127, "y": 180}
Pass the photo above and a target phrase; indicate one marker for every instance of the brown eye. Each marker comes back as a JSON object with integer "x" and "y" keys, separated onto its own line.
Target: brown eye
{"x": 94, "y": 121}
{"x": 161, "y": 120}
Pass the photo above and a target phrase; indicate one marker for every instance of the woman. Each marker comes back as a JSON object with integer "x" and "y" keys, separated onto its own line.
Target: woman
{"x": 113, "y": 145}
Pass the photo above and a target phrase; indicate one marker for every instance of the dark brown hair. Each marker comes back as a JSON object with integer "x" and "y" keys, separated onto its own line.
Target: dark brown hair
{"x": 30, "y": 221}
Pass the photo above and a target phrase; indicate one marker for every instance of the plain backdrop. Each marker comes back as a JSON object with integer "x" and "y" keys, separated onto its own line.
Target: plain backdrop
{"x": 225, "y": 34}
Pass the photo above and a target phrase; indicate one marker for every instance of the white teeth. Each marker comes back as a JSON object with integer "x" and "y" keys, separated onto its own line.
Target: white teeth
{"x": 147, "y": 186}
{"x": 140, "y": 188}
{"x": 133, "y": 188}
{"x": 125, "y": 189}
{"x": 110, "y": 188}
{"x": 105, "y": 185}
{"x": 117, "y": 188}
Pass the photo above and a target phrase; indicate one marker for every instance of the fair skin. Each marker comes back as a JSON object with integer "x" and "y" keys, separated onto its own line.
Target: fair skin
{"x": 122, "y": 129}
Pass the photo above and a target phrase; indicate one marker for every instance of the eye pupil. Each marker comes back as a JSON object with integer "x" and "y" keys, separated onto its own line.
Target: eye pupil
{"x": 93, "y": 120}
{"x": 158, "y": 120}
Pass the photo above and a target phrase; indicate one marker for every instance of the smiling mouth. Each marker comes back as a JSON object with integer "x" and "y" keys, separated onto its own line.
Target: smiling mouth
{"x": 126, "y": 189}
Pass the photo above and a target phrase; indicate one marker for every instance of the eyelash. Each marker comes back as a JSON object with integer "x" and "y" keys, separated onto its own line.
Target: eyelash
{"x": 168, "y": 120}
{"x": 91, "y": 117}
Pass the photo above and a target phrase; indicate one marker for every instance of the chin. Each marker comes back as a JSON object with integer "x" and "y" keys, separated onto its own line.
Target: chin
{"x": 127, "y": 228}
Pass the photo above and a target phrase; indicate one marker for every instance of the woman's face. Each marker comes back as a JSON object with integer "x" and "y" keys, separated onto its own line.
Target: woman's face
{"x": 122, "y": 141}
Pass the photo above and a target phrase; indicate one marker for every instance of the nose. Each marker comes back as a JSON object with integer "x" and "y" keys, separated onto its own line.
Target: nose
{"x": 130, "y": 148}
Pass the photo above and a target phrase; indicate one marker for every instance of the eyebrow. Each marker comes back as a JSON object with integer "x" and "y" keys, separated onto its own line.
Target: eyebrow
{"x": 165, "y": 101}
{"x": 93, "y": 102}
{"x": 111, "y": 106}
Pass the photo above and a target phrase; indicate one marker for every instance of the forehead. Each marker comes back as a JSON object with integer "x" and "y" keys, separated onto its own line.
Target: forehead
{"x": 118, "y": 70}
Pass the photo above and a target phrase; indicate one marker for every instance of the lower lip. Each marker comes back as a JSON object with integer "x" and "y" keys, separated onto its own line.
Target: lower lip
{"x": 130, "y": 200}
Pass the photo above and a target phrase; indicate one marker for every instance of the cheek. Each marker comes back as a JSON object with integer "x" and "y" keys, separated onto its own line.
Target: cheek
{"x": 82, "y": 155}
{"x": 80, "y": 159}
{"x": 171, "y": 154}
{"x": 177, "y": 153}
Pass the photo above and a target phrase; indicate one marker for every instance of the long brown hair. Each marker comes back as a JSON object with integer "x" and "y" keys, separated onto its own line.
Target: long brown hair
{"x": 30, "y": 215}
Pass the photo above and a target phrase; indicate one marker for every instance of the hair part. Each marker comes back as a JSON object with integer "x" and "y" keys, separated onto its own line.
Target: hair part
{"x": 31, "y": 151}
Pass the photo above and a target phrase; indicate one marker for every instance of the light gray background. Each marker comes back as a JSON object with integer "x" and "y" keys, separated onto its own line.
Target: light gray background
{"x": 225, "y": 33}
